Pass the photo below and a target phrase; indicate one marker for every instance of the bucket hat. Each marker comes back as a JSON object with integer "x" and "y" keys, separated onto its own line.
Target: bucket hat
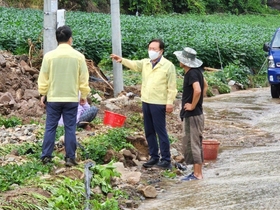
{"x": 188, "y": 57}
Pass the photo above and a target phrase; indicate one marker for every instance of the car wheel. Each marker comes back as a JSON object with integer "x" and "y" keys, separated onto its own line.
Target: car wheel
{"x": 274, "y": 91}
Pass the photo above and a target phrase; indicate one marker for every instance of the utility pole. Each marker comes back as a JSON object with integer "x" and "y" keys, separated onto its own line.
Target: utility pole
{"x": 50, "y": 18}
{"x": 116, "y": 46}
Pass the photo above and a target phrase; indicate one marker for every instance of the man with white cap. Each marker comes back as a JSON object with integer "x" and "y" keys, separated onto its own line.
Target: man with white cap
{"x": 194, "y": 88}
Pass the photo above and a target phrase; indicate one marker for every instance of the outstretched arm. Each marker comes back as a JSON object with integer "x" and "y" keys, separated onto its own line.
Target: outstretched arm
{"x": 116, "y": 58}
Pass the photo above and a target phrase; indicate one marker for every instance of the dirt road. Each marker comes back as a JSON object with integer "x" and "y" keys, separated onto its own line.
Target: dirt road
{"x": 246, "y": 174}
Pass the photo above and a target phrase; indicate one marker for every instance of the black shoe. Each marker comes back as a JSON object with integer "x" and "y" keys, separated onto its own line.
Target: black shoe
{"x": 69, "y": 162}
{"x": 150, "y": 163}
{"x": 164, "y": 165}
{"x": 180, "y": 166}
{"x": 46, "y": 160}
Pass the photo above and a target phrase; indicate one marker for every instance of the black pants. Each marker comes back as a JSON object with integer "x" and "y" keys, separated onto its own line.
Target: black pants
{"x": 155, "y": 130}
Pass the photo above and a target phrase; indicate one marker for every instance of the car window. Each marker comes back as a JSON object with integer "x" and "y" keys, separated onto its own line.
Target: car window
{"x": 276, "y": 40}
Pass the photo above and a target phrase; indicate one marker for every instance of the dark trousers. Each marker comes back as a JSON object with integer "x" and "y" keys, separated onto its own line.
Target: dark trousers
{"x": 54, "y": 111}
{"x": 155, "y": 130}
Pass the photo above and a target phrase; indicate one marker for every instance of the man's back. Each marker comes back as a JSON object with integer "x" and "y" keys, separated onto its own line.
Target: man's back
{"x": 65, "y": 68}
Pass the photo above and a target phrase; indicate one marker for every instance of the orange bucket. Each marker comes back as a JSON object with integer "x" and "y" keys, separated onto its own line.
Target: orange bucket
{"x": 113, "y": 119}
{"x": 210, "y": 149}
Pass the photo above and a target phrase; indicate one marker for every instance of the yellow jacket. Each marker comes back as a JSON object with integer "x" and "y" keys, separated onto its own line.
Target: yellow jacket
{"x": 63, "y": 73}
{"x": 158, "y": 83}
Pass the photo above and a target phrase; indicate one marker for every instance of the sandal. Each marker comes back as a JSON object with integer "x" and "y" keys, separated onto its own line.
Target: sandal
{"x": 189, "y": 177}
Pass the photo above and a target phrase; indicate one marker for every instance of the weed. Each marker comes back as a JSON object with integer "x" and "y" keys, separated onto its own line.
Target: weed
{"x": 10, "y": 122}
{"x": 59, "y": 132}
{"x": 102, "y": 176}
{"x": 18, "y": 174}
{"x": 172, "y": 139}
{"x": 97, "y": 146}
{"x": 135, "y": 121}
{"x": 168, "y": 174}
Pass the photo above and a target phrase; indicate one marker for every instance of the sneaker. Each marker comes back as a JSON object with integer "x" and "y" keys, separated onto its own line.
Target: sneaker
{"x": 164, "y": 165}
{"x": 46, "y": 160}
{"x": 189, "y": 177}
{"x": 150, "y": 163}
{"x": 69, "y": 162}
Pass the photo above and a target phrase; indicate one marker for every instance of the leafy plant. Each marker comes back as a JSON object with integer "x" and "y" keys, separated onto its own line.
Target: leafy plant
{"x": 111, "y": 204}
{"x": 102, "y": 176}
{"x": 218, "y": 81}
{"x": 18, "y": 174}
{"x": 237, "y": 72}
{"x": 168, "y": 174}
{"x": 66, "y": 193}
{"x": 135, "y": 121}
{"x": 96, "y": 147}
{"x": 132, "y": 78}
{"x": 10, "y": 122}
{"x": 172, "y": 139}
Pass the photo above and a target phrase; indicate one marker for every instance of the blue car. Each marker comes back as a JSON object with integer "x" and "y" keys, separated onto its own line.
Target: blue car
{"x": 273, "y": 56}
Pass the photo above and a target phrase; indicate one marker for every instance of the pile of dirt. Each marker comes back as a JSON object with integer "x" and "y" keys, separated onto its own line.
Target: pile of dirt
{"x": 18, "y": 87}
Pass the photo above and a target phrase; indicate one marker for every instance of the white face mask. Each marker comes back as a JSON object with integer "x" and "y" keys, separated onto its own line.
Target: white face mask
{"x": 153, "y": 54}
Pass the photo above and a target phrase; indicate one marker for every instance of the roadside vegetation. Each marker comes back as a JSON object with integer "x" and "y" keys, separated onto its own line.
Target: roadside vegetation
{"x": 152, "y": 7}
{"x": 227, "y": 42}
{"x": 65, "y": 192}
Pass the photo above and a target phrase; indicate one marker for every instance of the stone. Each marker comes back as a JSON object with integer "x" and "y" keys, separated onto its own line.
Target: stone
{"x": 7, "y": 98}
{"x": 149, "y": 192}
{"x": 2, "y": 61}
{"x": 127, "y": 154}
{"x": 31, "y": 94}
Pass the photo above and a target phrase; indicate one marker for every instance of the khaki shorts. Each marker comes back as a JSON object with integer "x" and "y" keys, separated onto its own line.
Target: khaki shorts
{"x": 192, "y": 139}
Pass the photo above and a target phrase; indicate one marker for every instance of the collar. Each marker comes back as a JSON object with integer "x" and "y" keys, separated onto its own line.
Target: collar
{"x": 64, "y": 45}
{"x": 155, "y": 63}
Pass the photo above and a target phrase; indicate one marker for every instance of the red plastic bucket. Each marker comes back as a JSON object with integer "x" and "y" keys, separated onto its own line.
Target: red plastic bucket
{"x": 210, "y": 149}
{"x": 113, "y": 119}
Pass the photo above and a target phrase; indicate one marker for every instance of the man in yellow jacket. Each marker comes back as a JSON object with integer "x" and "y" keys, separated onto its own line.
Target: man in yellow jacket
{"x": 158, "y": 93}
{"x": 62, "y": 75}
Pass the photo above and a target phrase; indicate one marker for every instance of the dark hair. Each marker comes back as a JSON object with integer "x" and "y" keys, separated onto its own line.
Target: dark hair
{"x": 161, "y": 43}
{"x": 63, "y": 34}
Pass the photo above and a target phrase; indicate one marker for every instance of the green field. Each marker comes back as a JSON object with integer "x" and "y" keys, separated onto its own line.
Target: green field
{"x": 235, "y": 37}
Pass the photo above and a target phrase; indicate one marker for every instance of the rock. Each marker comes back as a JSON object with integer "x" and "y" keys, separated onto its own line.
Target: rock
{"x": 111, "y": 106}
{"x": 97, "y": 190}
{"x": 60, "y": 171}
{"x": 231, "y": 82}
{"x": 31, "y": 94}
{"x": 149, "y": 192}
{"x": 97, "y": 97}
{"x": 2, "y": 61}
{"x": 129, "y": 204}
{"x": 27, "y": 68}
{"x": 14, "y": 152}
{"x": 131, "y": 177}
{"x": 110, "y": 195}
{"x": 7, "y": 98}
{"x": 127, "y": 154}
{"x": 109, "y": 155}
